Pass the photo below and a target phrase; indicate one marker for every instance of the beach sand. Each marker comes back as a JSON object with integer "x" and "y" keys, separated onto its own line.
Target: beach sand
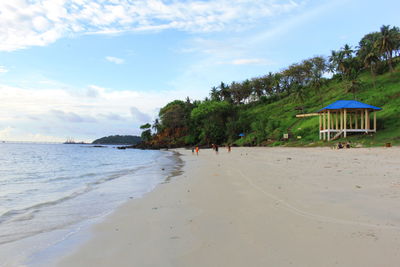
{"x": 260, "y": 207}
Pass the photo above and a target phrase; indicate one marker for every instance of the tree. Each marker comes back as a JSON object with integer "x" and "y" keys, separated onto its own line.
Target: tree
{"x": 319, "y": 67}
{"x": 215, "y": 94}
{"x": 368, "y": 52}
{"x": 235, "y": 93}
{"x": 173, "y": 115}
{"x": 276, "y": 83}
{"x": 156, "y": 126}
{"x": 267, "y": 84}
{"x": 387, "y": 43}
{"x": 257, "y": 88}
{"x": 146, "y": 134}
{"x": 353, "y": 70}
{"x": 348, "y": 65}
{"x": 210, "y": 119}
{"x": 225, "y": 92}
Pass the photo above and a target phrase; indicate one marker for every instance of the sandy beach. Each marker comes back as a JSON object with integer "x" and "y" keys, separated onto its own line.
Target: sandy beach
{"x": 260, "y": 207}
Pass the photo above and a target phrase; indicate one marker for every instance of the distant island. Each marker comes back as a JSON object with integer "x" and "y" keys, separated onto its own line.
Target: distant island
{"x": 118, "y": 140}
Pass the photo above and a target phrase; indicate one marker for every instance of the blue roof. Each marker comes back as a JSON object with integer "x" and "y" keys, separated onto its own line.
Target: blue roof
{"x": 342, "y": 104}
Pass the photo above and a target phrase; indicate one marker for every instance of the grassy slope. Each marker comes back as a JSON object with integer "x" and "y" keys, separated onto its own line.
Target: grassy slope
{"x": 384, "y": 93}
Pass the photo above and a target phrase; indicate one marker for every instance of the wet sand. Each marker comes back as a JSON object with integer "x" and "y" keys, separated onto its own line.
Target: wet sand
{"x": 260, "y": 207}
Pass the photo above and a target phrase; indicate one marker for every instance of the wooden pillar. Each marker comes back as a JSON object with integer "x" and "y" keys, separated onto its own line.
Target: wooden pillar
{"x": 323, "y": 125}
{"x": 366, "y": 120}
{"x": 351, "y": 120}
{"x": 345, "y": 122}
{"x": 337, "y": 124}
{"x": 329, "y": 125}
{"x": 332, "y": 120}
{"x": 341, "y": 119}
{"x": 362, "y": 120}
{"x": 320, "y": 126}
{"x": 374, "y": 120}
{"x": 356, "y": 119}
{"x": 369, "y": 120}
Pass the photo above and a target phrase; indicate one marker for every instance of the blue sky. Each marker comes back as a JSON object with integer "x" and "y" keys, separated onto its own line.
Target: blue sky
{"x": 84, "y": 69}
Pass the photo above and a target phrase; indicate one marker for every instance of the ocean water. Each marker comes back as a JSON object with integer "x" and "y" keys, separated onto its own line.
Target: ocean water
{"x": 48, "y": 191}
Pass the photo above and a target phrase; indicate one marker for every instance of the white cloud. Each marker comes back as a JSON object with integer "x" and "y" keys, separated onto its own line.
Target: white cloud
{"x": 58, "y": 113}
{"x": 14, "y": 134}
{"x": 40, "y": 22}
{"x": 71, "y": 117}
{"x": 248, "y": 61}
{"x": 140, "y": 116}
{"x": 3, "y": 69}
{"x": 5, "y": 133}
{"x": 115, "y": 60}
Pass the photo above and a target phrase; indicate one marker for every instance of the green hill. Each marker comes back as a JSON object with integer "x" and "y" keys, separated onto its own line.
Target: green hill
{"x": 118, "y": 140}
{"x": 382, "y": 91}
{"x": 264, "y": 108}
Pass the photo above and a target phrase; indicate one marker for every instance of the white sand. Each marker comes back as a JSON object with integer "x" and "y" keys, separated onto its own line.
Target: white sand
{"x": 260, "y": 207}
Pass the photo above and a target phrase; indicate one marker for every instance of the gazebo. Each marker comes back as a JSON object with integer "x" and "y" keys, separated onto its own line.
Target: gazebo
{"x": 346, "y": 116}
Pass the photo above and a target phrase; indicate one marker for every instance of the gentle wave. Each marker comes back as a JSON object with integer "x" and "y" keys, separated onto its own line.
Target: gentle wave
{"x": 88, "y": 187}
{"x": 69, "y": 186}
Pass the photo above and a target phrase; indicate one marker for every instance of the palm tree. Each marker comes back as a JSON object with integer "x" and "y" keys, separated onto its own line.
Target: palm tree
{"x": 268, "y": 84}
{"x": 246, "y": 90}
{"x": 276, "y": 83}
{"x": 368, "y": 53}
{"x": 353, "y": 70}
{"x": 386, "y": 43}
{"x": 335, "y": 60}
{"x": 347, "y": 51}
{"x": 156, "y": 126}
{"x": 215, "y": 94}
{"x": 371, "y": 60}
{"x": 225, "y": 92}
{"x": 319, "y": 67}
{"x": 396, "y": 33}
{"x": 257, "y": 87}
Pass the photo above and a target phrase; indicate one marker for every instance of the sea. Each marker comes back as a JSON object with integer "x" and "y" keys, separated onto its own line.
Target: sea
{"x": 50, "y": 194}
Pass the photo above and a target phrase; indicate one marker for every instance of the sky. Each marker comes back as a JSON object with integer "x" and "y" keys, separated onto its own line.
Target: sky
{"x": 84, "y": 69}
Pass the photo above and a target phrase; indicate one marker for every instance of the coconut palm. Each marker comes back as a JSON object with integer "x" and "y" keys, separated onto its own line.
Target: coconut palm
{"x": 215, "y": 94}
{"x": 225, "y": 92}
{"x": 387, "y": 44}
{"x": 368, "y": 53}
{"x": 257, "y": 88}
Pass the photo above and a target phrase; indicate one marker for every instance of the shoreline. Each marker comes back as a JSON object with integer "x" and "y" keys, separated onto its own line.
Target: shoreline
{"x": 117, "y": 186}
{"x": 83, "y": 230}
{"x": 259, "y": 207}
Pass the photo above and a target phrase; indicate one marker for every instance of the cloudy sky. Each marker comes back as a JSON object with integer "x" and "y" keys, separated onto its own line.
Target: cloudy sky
{"x": 84, "y": 69}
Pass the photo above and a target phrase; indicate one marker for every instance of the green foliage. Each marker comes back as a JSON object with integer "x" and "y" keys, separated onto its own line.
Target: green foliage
{"x": 210, "y": 118}
{"x": 145, "y": 126}
{"x": 173, "y": 115}
{"x": 146, "y": 135}
{"x": 264, "y": 108}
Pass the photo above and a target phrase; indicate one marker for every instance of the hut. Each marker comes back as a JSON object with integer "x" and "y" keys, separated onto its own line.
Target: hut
{"x": 346, "y": 116}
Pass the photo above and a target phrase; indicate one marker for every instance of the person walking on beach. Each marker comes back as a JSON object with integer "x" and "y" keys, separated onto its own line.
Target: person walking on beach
{"x": 229, "y": 148}
{"x": 197, "y": 150}
{"x": 216, "y": 149}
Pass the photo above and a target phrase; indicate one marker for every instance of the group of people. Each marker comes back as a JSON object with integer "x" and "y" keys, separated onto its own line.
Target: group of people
{"x": 214, "y": 147}
{"x": 340, "y": 145}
